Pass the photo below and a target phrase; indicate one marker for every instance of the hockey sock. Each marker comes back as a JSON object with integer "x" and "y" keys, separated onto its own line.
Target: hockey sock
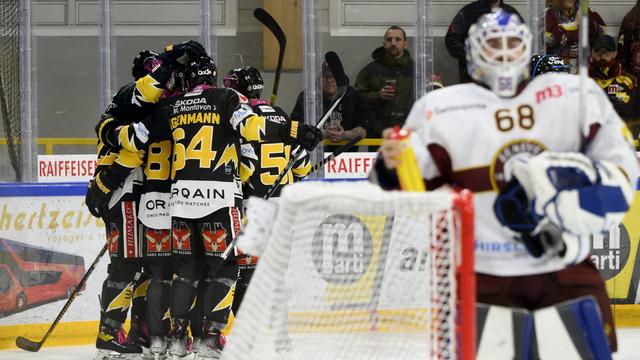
{"x": 183, "y": 287}
{"x": 139, "y": 297}
{"x": 217, "y": 302}
{"x": 158, "y": 297}
{"x": 196, "y": 313}
{"x": 241, "y": 288}
{"x": 117, "y": 288}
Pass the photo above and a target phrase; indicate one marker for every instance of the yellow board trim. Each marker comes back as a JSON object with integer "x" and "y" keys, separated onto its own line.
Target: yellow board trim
{"x": 65, "y": 334}
{"x": 85, "y": 332}
{"x": 626, "y": 316}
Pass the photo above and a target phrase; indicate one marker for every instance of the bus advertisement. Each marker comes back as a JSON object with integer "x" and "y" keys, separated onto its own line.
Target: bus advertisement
{"x": 32, "y": 275}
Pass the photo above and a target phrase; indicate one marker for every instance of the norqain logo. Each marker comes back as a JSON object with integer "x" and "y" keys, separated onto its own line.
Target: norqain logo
{"x": 342, "y": 249}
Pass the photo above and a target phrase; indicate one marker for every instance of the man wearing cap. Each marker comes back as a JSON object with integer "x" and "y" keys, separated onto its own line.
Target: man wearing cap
{"x": 621, "y": 86}
{"x": 348, "y": 120}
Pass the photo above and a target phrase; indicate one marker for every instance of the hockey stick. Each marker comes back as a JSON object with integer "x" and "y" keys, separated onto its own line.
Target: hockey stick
{"x": 335, "y": 153}
{"x": 583, "y": 55}
{"x": 26, "y": 344}
{"x": 341, "y": 80}
{"x": 335, "y": 64}
{"x": 271, "y": 24}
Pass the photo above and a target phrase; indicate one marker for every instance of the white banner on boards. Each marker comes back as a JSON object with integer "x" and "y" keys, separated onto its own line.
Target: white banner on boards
{"x": 46, "y": 244}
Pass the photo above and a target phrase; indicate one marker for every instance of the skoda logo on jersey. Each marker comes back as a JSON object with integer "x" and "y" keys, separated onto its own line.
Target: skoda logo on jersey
{"x": 342, "y": 249}
{"x": 611, "y": 251}
{"x": 507, "y": 156}
{"x": 193, "y": 101}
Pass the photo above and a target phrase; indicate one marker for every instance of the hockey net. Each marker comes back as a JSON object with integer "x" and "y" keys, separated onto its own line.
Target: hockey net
{"x": 10, "y": 88}
{"x": 354, "y": 272}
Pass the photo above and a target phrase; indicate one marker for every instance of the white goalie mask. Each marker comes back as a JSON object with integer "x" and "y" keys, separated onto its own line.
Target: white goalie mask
{"x": 498, "y": 52}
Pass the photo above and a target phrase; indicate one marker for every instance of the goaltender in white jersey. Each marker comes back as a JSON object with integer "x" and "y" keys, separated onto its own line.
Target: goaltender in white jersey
{"x": 465, "y": 150}
{"x": 546, "y": 174}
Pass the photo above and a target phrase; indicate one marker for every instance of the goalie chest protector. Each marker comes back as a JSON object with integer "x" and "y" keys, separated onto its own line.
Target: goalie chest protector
{"x": 474, "y": 137}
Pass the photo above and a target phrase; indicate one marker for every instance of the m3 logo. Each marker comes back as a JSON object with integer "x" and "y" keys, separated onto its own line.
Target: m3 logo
{"x": 550, "y": 92}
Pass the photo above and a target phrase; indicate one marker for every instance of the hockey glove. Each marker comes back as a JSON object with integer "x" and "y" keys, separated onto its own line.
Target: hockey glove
{"x": 108, "y": 179}
{"x": 580, "y": 196}
{"x": 180, "y": 54}
{"x": 307, "y": 136}
{"x": 106, "y": 131}
{"x": 99, "y": 193}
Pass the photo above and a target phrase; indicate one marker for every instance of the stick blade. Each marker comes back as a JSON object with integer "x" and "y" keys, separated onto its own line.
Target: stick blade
{"x": 335, "y": 65}
{"x": 267, "y": 20}
{"x": 28, "y": 345}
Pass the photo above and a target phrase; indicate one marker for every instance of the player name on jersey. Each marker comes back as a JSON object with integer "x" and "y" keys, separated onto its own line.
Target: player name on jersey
{"x": 349, "y": 165}
{"x": 59, "y": 168}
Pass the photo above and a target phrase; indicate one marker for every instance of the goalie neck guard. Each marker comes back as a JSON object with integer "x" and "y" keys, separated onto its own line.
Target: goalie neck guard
{"x": 498, "y": 50}
{"x": 246, "y": 80}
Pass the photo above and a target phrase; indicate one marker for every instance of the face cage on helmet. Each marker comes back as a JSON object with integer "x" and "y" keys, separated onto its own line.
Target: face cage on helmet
{"x": 498, "y": 72}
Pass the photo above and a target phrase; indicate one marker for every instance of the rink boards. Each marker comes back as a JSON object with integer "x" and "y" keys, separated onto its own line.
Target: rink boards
{"x": 53, "y": 217}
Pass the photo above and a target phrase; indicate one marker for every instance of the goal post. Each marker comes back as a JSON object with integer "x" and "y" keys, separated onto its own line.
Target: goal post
{"x": 354, "y": 272}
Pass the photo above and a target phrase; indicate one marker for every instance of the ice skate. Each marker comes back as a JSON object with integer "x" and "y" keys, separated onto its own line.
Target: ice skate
{"x": 180, "y": 342}
{"x": 196, "y": 344}
{"x": 158, "y": 348}
{"x": 139, "y": 333}
{"x": 211, "y": 345}
{"x": 112, "y": 344}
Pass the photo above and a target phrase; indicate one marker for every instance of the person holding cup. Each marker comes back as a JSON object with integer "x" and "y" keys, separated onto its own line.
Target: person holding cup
{"x": 387, "y": 82}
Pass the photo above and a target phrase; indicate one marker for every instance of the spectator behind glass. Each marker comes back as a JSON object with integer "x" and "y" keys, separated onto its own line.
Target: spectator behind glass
{"x": 387, "y": 82}
{"x": 629, "y": 41}
{"x": 621, "y": 86}
{"x": 349, "y": 119}
{"x": 459, "y": 29}
{"x": 561, "y": 32}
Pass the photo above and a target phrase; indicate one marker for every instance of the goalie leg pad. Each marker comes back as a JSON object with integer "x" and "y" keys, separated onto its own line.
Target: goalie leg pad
{"x": 503, "y": 332}
{"x": 571, "y": 330}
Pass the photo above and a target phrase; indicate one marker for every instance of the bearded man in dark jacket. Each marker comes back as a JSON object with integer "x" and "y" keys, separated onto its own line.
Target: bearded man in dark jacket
{"x": 387, "y": 82}
{"x": 459, "y": 29}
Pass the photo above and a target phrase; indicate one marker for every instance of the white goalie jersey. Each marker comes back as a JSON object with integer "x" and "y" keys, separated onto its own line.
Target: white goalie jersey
{"x": 472, "y": 138}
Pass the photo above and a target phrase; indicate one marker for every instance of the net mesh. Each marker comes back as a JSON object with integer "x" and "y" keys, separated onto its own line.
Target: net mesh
{"x": 10, "y": 80}
{"x": 353, "y": 272}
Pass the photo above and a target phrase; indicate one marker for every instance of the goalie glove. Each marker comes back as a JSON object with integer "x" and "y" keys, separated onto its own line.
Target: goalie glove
{"x": 580, "y": 196}
{"x": 540, "y": 237}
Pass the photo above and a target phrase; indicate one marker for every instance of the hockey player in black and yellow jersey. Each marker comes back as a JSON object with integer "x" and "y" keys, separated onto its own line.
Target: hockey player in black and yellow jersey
{"x": 269, "y": 157}
{"x": 206, "y": 126}
{"x": 115, "y": 189}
